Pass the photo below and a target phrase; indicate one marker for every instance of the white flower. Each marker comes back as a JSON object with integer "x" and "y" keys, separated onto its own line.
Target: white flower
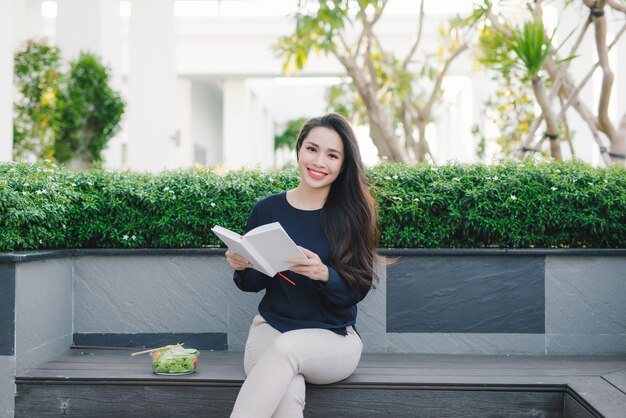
{"x": 133, "y": 237}
{"x": 397, "y": 198}
{"x": 212, "y": 204}
{"x": 456, "y": 179}
{"x": 416, "y": 200}
{"x": 557, "y": 170}
{"x": 513, "y": 197}
{"x": 42, "y": 191}
{"x": 24, "y": 192}
{"x": 606, "y": 181}
{"x": 40, "y": 241}
{"x": 271, "y": 180}
{"x": 495, "y": 177}
{"x": 589, "y": 183}
{"x": 73, "y": 184}
{"x": 165, "y": 189}
{"x": 125, "y": 237}
{"x": 387, "y": 178}
{"x": 395, "y": 177}
{"x": 554, "y": 189}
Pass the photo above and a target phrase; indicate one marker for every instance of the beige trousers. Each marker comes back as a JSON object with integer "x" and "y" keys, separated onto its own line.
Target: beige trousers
{"x": 277, "y": 365}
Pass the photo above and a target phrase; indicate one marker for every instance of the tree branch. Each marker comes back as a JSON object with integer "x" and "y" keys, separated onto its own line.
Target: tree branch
{"x": 439, "y": 80}
{"x": 559, "y": 78}
{"x": 614, "y": 4}
{"x": 418, "y": 38}
{"x": 379, "y": 13}
{"x": 572, "y": 94}
{"x": 607, "y": 78}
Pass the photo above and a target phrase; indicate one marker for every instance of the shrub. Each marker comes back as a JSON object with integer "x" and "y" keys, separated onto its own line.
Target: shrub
{"x": 509, "y": 205}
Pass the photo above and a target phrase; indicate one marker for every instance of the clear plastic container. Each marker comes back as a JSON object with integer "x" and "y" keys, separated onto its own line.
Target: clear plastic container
{"x": 174, "y": 361}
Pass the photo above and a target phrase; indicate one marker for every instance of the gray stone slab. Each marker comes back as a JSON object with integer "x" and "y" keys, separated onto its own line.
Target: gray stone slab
{"x": 519, "y": 344}
{"x": 617, "y": 379}
{"x": 585, "y": 344}
{"x": 7, "y": 309}
{"x": 464, "y": 294}
{"x": 7, "y": 386}
{"x": 43, "y": 303}
{"x": 601, "y": 395}
{"x": 46, "y": 351}
{"x": 136, "y": 294}
{"x": 585, "y": 295}
{"x": 371, "y": 321}
{"x": 242, "y": 308}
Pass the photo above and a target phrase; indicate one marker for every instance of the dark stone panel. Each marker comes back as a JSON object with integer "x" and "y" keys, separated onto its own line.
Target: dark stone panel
{"x": 7, "y": 309}
{"x": 465, "y": 294}
{"x": 201, "y": 341}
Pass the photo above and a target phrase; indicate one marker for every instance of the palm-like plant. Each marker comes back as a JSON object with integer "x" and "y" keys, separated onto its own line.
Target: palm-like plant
{"x": 531, "y": 46}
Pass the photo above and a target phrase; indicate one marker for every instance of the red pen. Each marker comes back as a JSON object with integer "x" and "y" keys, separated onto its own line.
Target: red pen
{"x": 286, "y": 278}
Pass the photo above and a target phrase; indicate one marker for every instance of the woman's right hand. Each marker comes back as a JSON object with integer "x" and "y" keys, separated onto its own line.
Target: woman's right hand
{"x": 236, "y": 261}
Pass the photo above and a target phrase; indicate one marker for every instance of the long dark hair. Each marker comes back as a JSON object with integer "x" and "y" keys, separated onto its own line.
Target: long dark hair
{"x": 349, "y": 214}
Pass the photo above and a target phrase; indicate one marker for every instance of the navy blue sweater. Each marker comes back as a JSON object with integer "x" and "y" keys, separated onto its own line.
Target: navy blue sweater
{"x": 310, "y": 303}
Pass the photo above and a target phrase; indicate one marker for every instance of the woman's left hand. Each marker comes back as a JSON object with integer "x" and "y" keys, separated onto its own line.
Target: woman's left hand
{"x": 311, "y": 266}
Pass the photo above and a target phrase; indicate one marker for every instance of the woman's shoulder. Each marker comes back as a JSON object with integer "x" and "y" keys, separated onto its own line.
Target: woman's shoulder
{"x": 272, "y": 201}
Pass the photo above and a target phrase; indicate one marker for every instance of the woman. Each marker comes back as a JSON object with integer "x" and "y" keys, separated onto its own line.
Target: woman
{"x": 307, "y": 331}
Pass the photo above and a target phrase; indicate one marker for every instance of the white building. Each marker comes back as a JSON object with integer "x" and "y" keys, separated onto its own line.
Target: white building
{"x": 202, "y": 84}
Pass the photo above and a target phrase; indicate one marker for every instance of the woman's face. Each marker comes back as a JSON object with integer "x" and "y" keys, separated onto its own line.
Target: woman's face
{"x": 320, "y": 157}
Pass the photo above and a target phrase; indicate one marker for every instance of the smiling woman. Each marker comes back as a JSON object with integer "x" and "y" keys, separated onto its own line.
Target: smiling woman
{"x": 307, "y": 332}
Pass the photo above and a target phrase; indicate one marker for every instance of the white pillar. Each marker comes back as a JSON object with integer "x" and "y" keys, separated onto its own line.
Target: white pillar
{"x": 94, "y": 26}
{"x": 248, "y": 129}
{"x": 152, "y": 85}
{"x": 6, "y": 80}
{"x": 236, "y": 146}
{"x": 29, "y": 22}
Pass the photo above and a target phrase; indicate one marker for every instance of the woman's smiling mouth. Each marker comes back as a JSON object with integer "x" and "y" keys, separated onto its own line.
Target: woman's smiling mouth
{"x": 318, "y": 175}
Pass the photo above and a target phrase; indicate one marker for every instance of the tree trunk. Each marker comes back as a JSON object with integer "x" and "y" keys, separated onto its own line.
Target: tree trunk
{"x": 381, "y": 125}
{"x": 552, "y": 130}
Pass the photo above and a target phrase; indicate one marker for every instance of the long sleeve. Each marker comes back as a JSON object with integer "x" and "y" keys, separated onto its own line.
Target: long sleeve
{"x": 338, "y": 292}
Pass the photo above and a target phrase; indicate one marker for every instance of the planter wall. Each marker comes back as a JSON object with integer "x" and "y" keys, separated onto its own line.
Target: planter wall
{"x": 532, "y": 302}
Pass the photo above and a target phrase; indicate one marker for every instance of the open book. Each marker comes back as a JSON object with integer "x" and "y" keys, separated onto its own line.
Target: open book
{"x": 267, "y": 247}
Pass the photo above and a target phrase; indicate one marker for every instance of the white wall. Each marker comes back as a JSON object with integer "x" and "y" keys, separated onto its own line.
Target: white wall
{"x": 6, "y": 80}
{"x": 152, "y": 86}
{"x": 207, "y": 118}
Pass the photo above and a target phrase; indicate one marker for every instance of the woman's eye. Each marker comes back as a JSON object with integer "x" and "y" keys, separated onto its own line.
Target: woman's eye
{"x": 312, "y": 149}
{"x": 333, "y": 156}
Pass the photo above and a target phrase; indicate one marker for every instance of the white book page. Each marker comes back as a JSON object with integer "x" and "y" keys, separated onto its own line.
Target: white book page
{"x": 234, "y": 242}
{"x": 274, "y": 245}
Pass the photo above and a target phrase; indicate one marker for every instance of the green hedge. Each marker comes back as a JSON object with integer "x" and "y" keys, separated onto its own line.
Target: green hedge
{"x": 510, "y": 205}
